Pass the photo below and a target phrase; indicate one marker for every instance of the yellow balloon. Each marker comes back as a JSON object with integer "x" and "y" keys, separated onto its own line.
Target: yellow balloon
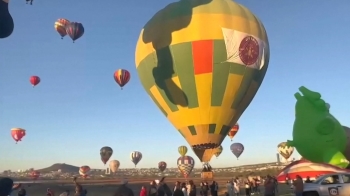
{"x": 182, "y": 150}
{"x": 202, "y": 63}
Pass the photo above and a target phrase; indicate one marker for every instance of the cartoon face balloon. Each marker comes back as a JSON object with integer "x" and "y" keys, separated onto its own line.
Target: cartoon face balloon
{"x": 317, "y": 135}
{"x": 202, "y": 75}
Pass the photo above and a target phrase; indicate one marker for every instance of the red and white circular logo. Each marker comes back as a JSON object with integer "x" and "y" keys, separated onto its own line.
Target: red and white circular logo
{"x": 249, "y": 50}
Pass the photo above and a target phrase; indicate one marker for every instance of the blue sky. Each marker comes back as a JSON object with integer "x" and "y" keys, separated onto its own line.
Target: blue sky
{"x": 78, "y": 108}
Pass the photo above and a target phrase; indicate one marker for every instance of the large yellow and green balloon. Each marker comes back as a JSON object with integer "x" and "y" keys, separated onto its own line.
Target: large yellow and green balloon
{"x": 202, "y": 62}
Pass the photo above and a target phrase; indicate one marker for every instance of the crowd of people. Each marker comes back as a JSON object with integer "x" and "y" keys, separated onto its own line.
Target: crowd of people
{"x": 160, "y": 188}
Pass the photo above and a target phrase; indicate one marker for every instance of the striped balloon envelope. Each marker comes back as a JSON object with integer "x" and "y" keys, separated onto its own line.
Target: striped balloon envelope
{"x": 185, "y": 165}
{"x": 202, "y": 62}
{"x": 135, "y": 157}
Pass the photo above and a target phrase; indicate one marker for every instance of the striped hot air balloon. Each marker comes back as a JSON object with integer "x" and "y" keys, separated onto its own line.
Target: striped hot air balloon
{"x": 182, "y": 150}
{"x": 75, "y": 30}
{"x": 202, "y": 62}
{"x": 121, "y": 77}
{"x": 60, "y": 26}
{"x": 136, "y": 157}
{"x": 185, "y": 165}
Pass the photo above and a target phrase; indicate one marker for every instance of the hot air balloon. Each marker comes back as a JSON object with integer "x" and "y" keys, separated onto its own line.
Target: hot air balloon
{"x": 75, "y": 30}
{"x": 29, "y": 1}
{"x": 237, "y": 149}
{"x": 284, "y": 150}
{"x": 121, "y": 77}
{"x": 35, "y": 175}
{"x": 202, "y": 75}
{"x": 162, "y": 166}
{"x": 136, "y": 157}
{"x": 106, "y": 153}
{"x": 218, "y": 151}
{"x": 17, "y": 134}
{"x": 182, "y": 150}
{"x": 84, "y": 171}
{"x": 34, "y": 80}
{"x": 233, "y": 131}
{"x": 6, "y": 21}
{"x": 114, "y": 165}
{"x": 60, "y": 26}
{"x": 185, "y": 165}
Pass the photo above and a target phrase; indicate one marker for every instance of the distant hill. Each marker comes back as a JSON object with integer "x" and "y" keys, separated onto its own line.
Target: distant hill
{"x": 62, "y": 166}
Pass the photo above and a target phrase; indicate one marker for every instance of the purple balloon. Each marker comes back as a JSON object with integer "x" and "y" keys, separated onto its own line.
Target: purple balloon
{"x": 237, "y": 149}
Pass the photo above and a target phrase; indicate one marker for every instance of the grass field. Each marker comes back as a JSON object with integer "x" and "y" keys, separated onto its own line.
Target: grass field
{"x": 107, "y": 187}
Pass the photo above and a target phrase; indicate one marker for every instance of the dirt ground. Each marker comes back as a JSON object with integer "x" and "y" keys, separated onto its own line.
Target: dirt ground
{"x": 107, "y": 188}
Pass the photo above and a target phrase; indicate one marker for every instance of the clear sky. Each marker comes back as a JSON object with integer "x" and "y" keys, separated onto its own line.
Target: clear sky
{"x": 78, "y": 108}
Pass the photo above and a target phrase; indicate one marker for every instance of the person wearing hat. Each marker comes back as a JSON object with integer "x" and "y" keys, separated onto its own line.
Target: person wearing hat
{"x": 123, "y": 189}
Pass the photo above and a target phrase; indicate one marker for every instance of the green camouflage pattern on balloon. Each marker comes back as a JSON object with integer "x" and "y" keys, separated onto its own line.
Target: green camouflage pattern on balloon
{"x": 317, "y": 135}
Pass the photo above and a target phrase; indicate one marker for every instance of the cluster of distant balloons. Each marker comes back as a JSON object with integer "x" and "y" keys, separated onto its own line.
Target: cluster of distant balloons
{"x": 185, "y": 163}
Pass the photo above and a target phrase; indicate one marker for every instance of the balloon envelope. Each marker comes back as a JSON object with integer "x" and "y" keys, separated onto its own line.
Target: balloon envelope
{"x": 121, "y": 77}
{"x": 162, "y": 166}
{"x": 18, "y": 133}
{"x": 84, "y": 170}
{"x": 136, "y": 157}
{"x": 233, "y": 131}
{"x": 237, "y": 149}
{"x": 185, "y": 165}
{"x": 202, "y": 63}
{"x": 182, "y": 150}
{"x": 114, "y": 165}
{"x": 284, "y": 150}
{"x": 106, "y": 153}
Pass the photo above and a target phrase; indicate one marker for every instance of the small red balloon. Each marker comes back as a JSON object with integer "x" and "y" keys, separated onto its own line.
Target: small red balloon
{"x": 34, "y": 80}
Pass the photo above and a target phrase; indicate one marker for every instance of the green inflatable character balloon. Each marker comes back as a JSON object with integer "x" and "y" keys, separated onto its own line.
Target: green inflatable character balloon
{"x": 317, "y": 135}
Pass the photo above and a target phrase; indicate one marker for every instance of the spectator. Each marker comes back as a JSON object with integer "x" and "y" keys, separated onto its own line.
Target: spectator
{"x": 152, "y": 191}
{"x": 308, "y": 180}
{"x": 184, "y": 189}
{"x": 236, "y": 188}
{"x": 143, "y": 191}
{"x": 229, "y": 188}
{"x": 193, "y": 189}
{"x": 178, "y": 191}
{"x": 298, "y": 186}
{"x": 247, "y": 188}
{"x": 124, "y": 190}
{"x": 269, "y": 187}
{"x": 214, "y": 189}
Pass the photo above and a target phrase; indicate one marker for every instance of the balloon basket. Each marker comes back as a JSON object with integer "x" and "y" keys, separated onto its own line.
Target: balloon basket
{"x": 209, "y": 175}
